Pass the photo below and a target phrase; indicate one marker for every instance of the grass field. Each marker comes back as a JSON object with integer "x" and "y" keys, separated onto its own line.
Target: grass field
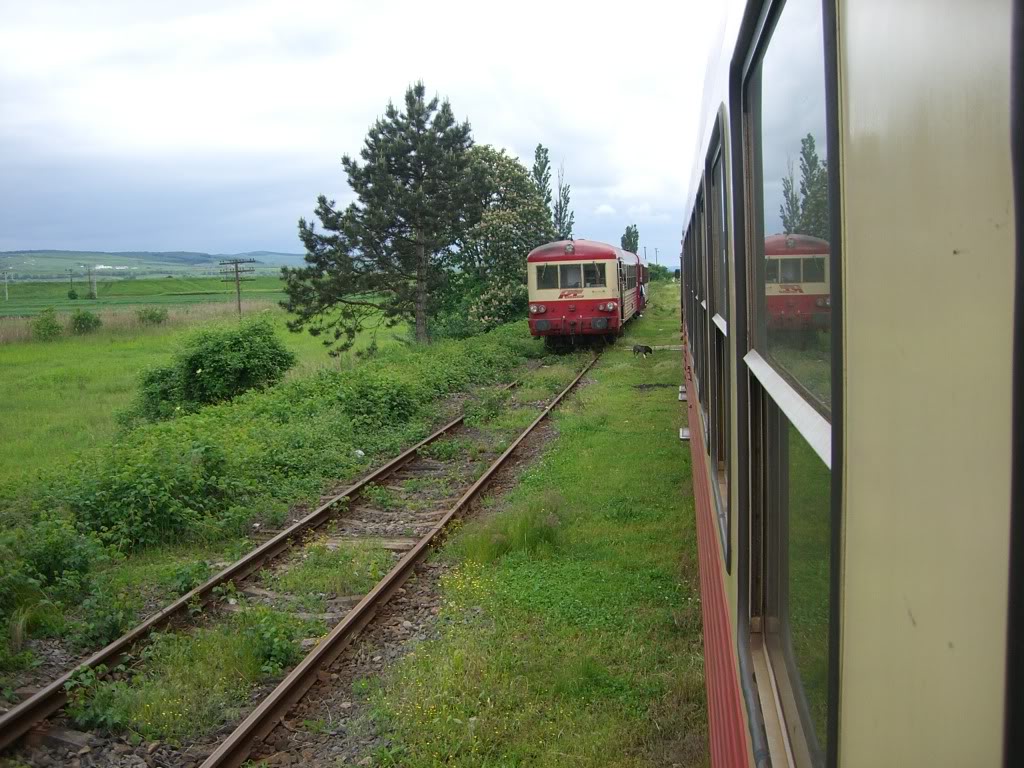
{"x": 30, "y": 298}
{"x": 63, "y": 396}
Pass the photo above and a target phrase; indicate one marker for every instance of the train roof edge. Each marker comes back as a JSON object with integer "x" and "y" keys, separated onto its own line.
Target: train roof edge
{"x": 581, "y": 250}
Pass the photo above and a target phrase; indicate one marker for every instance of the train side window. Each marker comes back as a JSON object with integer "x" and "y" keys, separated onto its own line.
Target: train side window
{"x": 790, "y": 207}
{"x": 547, "y": 276}
{"x": 814, "y": 270}
{"x": 790, "y": 271}
{"x": 569, "y": 276}
{"x": 593, "y": 276}
{"x": 788, "y": 365}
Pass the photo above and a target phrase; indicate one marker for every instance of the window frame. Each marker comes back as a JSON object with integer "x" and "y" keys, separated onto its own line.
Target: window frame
{"x": 718, "y": 256}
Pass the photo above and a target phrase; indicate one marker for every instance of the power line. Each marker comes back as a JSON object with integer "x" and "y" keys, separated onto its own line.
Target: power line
{"x": 235, "y": 268}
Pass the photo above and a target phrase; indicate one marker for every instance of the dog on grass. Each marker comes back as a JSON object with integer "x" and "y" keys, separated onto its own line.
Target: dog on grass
{"x": 642, "y": 349}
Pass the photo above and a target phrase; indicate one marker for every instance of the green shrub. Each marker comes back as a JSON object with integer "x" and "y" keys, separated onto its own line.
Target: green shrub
{"x": 108, "y": 615}
{"x": 151, "y": 315}
{"x": 274, "y": 636}
{"x": 46, "y": 327}
{"x": 381, "y": 398}
{"x": 84, "y": 321}
{"x": 73, "y": 294}
{"x": 214, "y": 366}
{"x": 189, "y": 576}
{"x": 53, "y": 549}
{"x": 204, "y": 475}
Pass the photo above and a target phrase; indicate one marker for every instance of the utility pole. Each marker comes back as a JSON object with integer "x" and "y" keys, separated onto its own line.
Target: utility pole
{"x": 655, "y": 255}
{"x": 6, "y": 297}
{"x": 234, "y": 267}
{"x": 92, "y": 282}
{"x": 645, "y": 253}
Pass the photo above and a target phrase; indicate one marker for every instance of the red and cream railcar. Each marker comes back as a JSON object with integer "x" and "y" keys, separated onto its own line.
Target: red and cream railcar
{"x": 797, "y": 282}
{"x": 584, "y": 288}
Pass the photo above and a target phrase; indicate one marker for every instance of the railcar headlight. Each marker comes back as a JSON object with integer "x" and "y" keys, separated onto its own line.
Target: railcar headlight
{"x": 820, "y": 303}
{"x": 828, "y": 301}
{"x": 537, "y": 309}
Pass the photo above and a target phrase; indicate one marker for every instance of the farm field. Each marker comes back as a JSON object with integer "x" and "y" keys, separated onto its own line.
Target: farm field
{"x": 30, "y": 298}
{"x": 64, "y": 396}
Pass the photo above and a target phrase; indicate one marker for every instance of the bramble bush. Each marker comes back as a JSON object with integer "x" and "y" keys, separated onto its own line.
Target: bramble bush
{"x": 151, "y": 315}
{"x": 46, "y": 327}
{"x": 212, "y": 367}
{"x": 83, "y": 321}
{"x": 208, "y": 474}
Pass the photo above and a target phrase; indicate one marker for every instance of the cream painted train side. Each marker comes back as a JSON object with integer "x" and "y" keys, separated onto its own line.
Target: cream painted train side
{"x": 857, "y": 511}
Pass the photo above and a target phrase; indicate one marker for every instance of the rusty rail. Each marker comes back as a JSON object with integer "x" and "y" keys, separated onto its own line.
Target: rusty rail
{"x": 235, "y": 750}
{"x": 18, "y": 720}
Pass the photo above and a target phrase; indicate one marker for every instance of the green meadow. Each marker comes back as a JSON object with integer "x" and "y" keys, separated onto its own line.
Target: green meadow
{"x": 64, "y": 396}
{"x": 30, "y": 298}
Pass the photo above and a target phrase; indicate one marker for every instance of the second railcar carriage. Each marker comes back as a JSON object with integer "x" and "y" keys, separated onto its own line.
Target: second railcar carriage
{"x": 584, "y": 288}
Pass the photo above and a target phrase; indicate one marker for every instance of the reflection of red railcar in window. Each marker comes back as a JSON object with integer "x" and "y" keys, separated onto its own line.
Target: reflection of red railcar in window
{"x": 796, "y": 282}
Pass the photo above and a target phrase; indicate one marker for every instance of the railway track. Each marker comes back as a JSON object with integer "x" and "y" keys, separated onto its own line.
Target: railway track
{"x": 409, "y": 536}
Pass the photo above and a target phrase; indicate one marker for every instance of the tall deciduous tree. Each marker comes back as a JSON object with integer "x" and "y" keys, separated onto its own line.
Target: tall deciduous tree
{"x": 542, "y": 174}
{"x": 489, "y": 285}
{"x": 564, "y": 218}
{"x": 384, "y": 257}
{"x": 631, "y": 239}
{"x": 807, "y": 213}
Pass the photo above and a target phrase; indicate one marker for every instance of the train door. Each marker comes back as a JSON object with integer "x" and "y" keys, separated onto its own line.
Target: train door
{"x": 622, "y": 292}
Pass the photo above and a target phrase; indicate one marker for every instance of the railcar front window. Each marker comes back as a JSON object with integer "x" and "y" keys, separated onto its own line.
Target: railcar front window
{"x": 790, "y": 269}
{"x": 814, "y": 270}
{"x": 569, "y": 275}
{"x": 547, "y": 276}
{"x": 593, "y": 276}
{"x": 771, "y": 271}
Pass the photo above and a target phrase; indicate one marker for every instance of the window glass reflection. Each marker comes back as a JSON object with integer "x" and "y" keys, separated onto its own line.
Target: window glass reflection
{"x": 570, "y": 276}
{"x": 797, "y": 609}
{"x": 547, "y": 276}
{"x": 793, "y": 323}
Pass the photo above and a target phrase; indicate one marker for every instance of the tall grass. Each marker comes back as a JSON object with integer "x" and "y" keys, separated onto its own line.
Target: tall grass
{"x": 125, "y": 322}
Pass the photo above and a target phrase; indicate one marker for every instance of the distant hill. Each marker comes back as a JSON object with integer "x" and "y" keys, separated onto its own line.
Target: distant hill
{"x": 47, "y": 264}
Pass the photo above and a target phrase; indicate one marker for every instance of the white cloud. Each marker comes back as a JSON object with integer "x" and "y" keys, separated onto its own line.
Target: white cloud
{"x": 266, "y": 88}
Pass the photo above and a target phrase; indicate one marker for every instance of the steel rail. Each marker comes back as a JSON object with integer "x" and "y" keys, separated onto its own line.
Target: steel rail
{"x": 236, "y": 748}
{"x": 17, "y": 721}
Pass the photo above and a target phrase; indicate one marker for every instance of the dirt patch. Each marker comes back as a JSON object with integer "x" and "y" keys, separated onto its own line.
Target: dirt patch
{"x": 645, "y": 387}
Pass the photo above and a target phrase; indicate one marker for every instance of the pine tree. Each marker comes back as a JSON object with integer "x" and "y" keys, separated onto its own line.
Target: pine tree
{"x": 806, "y": 214}
{"x": 383, "y": 258}
{"x": 564, "y": 218}
{"x": 789, "y": 211}
{"x": 631, "y": 239}
{"x": 813, "y": 191}
{"x": 542, "y": 174}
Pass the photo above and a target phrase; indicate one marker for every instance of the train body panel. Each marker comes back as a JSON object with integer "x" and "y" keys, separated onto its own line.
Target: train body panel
{"x": 853, "y": 482}
{"x": 583, "y": 288}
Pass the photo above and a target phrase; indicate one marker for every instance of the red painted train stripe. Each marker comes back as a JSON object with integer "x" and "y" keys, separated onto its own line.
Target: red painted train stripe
{"x": 727, "y": 728}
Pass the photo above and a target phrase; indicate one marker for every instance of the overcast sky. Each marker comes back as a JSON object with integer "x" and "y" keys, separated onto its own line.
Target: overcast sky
{"x": 212, "y": 126}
